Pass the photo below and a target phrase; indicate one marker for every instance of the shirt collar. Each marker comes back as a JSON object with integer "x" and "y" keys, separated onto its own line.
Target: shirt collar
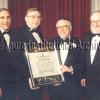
{"x": 1, "y": 30}
{"x": 67, "y": 38}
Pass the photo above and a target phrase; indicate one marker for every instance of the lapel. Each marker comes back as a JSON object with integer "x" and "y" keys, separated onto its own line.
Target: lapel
{"x": 2, "y": 41}
{"x": 28, "y": 35}
{"x": 88, "y": 48}
{"x": 89, "y": 39}
{"x": 12, "y": 44}
{"x": 3, "y": 44}
{"x": 60, "y": 41}
{"x": 70, "y": 51}
{"x": 57, "y": 42}
{"x": 59, "y": 57}
{"x": 97, "y": 54}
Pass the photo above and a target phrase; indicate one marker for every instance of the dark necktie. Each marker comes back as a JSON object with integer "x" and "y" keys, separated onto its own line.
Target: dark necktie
{"x": 3, "y": 44}
{"x": 33, "y": 31}
{"x": 64, "y": 41}
{"x": 98, "y": 34}
{"x": 5, "y": 32}
{"x": 7, "y": 38}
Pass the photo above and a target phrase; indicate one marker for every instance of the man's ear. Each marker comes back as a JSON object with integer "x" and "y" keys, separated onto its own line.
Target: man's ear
{"x": 25, "y": 18}
{"x": 41, "y": 18}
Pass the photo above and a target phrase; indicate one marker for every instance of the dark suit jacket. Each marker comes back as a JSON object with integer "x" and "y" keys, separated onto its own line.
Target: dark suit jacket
{"x": 73, "y": 57}
{"x": 7, "y": 66}
{"x": 71, "y": 84}
{"x": 91, "y": 71}
{"x": 24, "y": 36}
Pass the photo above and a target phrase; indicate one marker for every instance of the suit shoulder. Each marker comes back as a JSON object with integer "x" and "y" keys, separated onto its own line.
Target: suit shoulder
{"x": 75, "y": 39}
{"x": 53, "y": 39}
{"x": 20, "y": 29}
{"x": 87, "y": 36}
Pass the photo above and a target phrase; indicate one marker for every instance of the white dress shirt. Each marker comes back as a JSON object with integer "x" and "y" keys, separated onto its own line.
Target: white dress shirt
{"x": 64, "y": 51}
{"x": 94, "y": 45}
{"x": 6, "y": 37}
{"x": 37, "y": 37}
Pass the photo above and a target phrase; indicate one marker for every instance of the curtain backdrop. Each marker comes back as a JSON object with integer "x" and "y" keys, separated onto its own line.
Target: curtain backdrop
{"x": 77, "y": 11}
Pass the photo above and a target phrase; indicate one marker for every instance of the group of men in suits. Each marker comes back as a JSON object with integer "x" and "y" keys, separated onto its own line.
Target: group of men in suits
{"x": 14, "y": 69}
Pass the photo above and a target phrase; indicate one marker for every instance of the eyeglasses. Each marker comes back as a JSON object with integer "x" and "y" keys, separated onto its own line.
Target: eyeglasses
{"x": 33, "y": 17}
{"x": 95, "y": 21}
{"x": 64, "y": 26}
{"x": 3, "y": 17}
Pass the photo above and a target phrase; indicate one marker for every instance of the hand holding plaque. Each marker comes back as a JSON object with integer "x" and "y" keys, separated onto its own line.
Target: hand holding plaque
{"x": 32, "y": 86}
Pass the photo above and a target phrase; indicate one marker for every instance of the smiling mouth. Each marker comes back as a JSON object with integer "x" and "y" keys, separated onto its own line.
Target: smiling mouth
{"x": 5, "y": 24}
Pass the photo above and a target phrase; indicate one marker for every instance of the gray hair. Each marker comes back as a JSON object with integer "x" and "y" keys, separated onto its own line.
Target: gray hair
{"x": 31, "y": 10}
{"x": 4, "y": 9}
{"x": 67, "y": 22}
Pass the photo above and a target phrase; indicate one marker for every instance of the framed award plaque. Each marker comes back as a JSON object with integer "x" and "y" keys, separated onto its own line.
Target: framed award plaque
{"x": 44, "y": 67}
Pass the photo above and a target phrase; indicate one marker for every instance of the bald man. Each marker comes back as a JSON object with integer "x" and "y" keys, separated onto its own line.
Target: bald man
{"x": 69, "y": 54}
{"x": 91, "y": 59}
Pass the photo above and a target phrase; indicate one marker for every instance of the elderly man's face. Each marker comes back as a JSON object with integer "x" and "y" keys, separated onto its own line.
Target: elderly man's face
{"x": 63, "y": 29}
{"x": 33, "y": 19}
{"x": 5, "y": 20}
{"x": 95, "y": 23}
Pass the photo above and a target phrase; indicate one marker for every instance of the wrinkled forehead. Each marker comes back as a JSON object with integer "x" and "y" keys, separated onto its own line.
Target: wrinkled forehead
{"x": 62, "y": 23}
{"x": 33, "y": 13}
{"x": 4, "y": 13}
{"x": 95, "y": 16}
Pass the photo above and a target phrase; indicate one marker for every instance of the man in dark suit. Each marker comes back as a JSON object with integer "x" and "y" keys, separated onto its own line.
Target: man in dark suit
{"x": 7, "y": 69}
{"x": 91, "y": 59}
{"x": 30, "y": 35}
{"x": 69, "y": 55}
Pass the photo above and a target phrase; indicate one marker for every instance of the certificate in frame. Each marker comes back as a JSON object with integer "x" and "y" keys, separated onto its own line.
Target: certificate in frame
{"x": 44, "y": 68}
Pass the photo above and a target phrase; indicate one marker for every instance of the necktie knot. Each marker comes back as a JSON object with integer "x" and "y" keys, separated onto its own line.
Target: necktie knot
{"x": 96, "y": 34}
{"x": 64, "y": 41}
{"x": 32, "y": 31}
{"x": 5, "y": 32}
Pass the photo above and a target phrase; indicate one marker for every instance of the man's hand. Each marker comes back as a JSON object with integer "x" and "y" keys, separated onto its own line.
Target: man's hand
{"x": 1, "y": 92}
{"x": 65, "y": 68}
{"x": 31, "y": 86}
{"x": 56, "y": 84}
{"x": 83, "y": 82}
